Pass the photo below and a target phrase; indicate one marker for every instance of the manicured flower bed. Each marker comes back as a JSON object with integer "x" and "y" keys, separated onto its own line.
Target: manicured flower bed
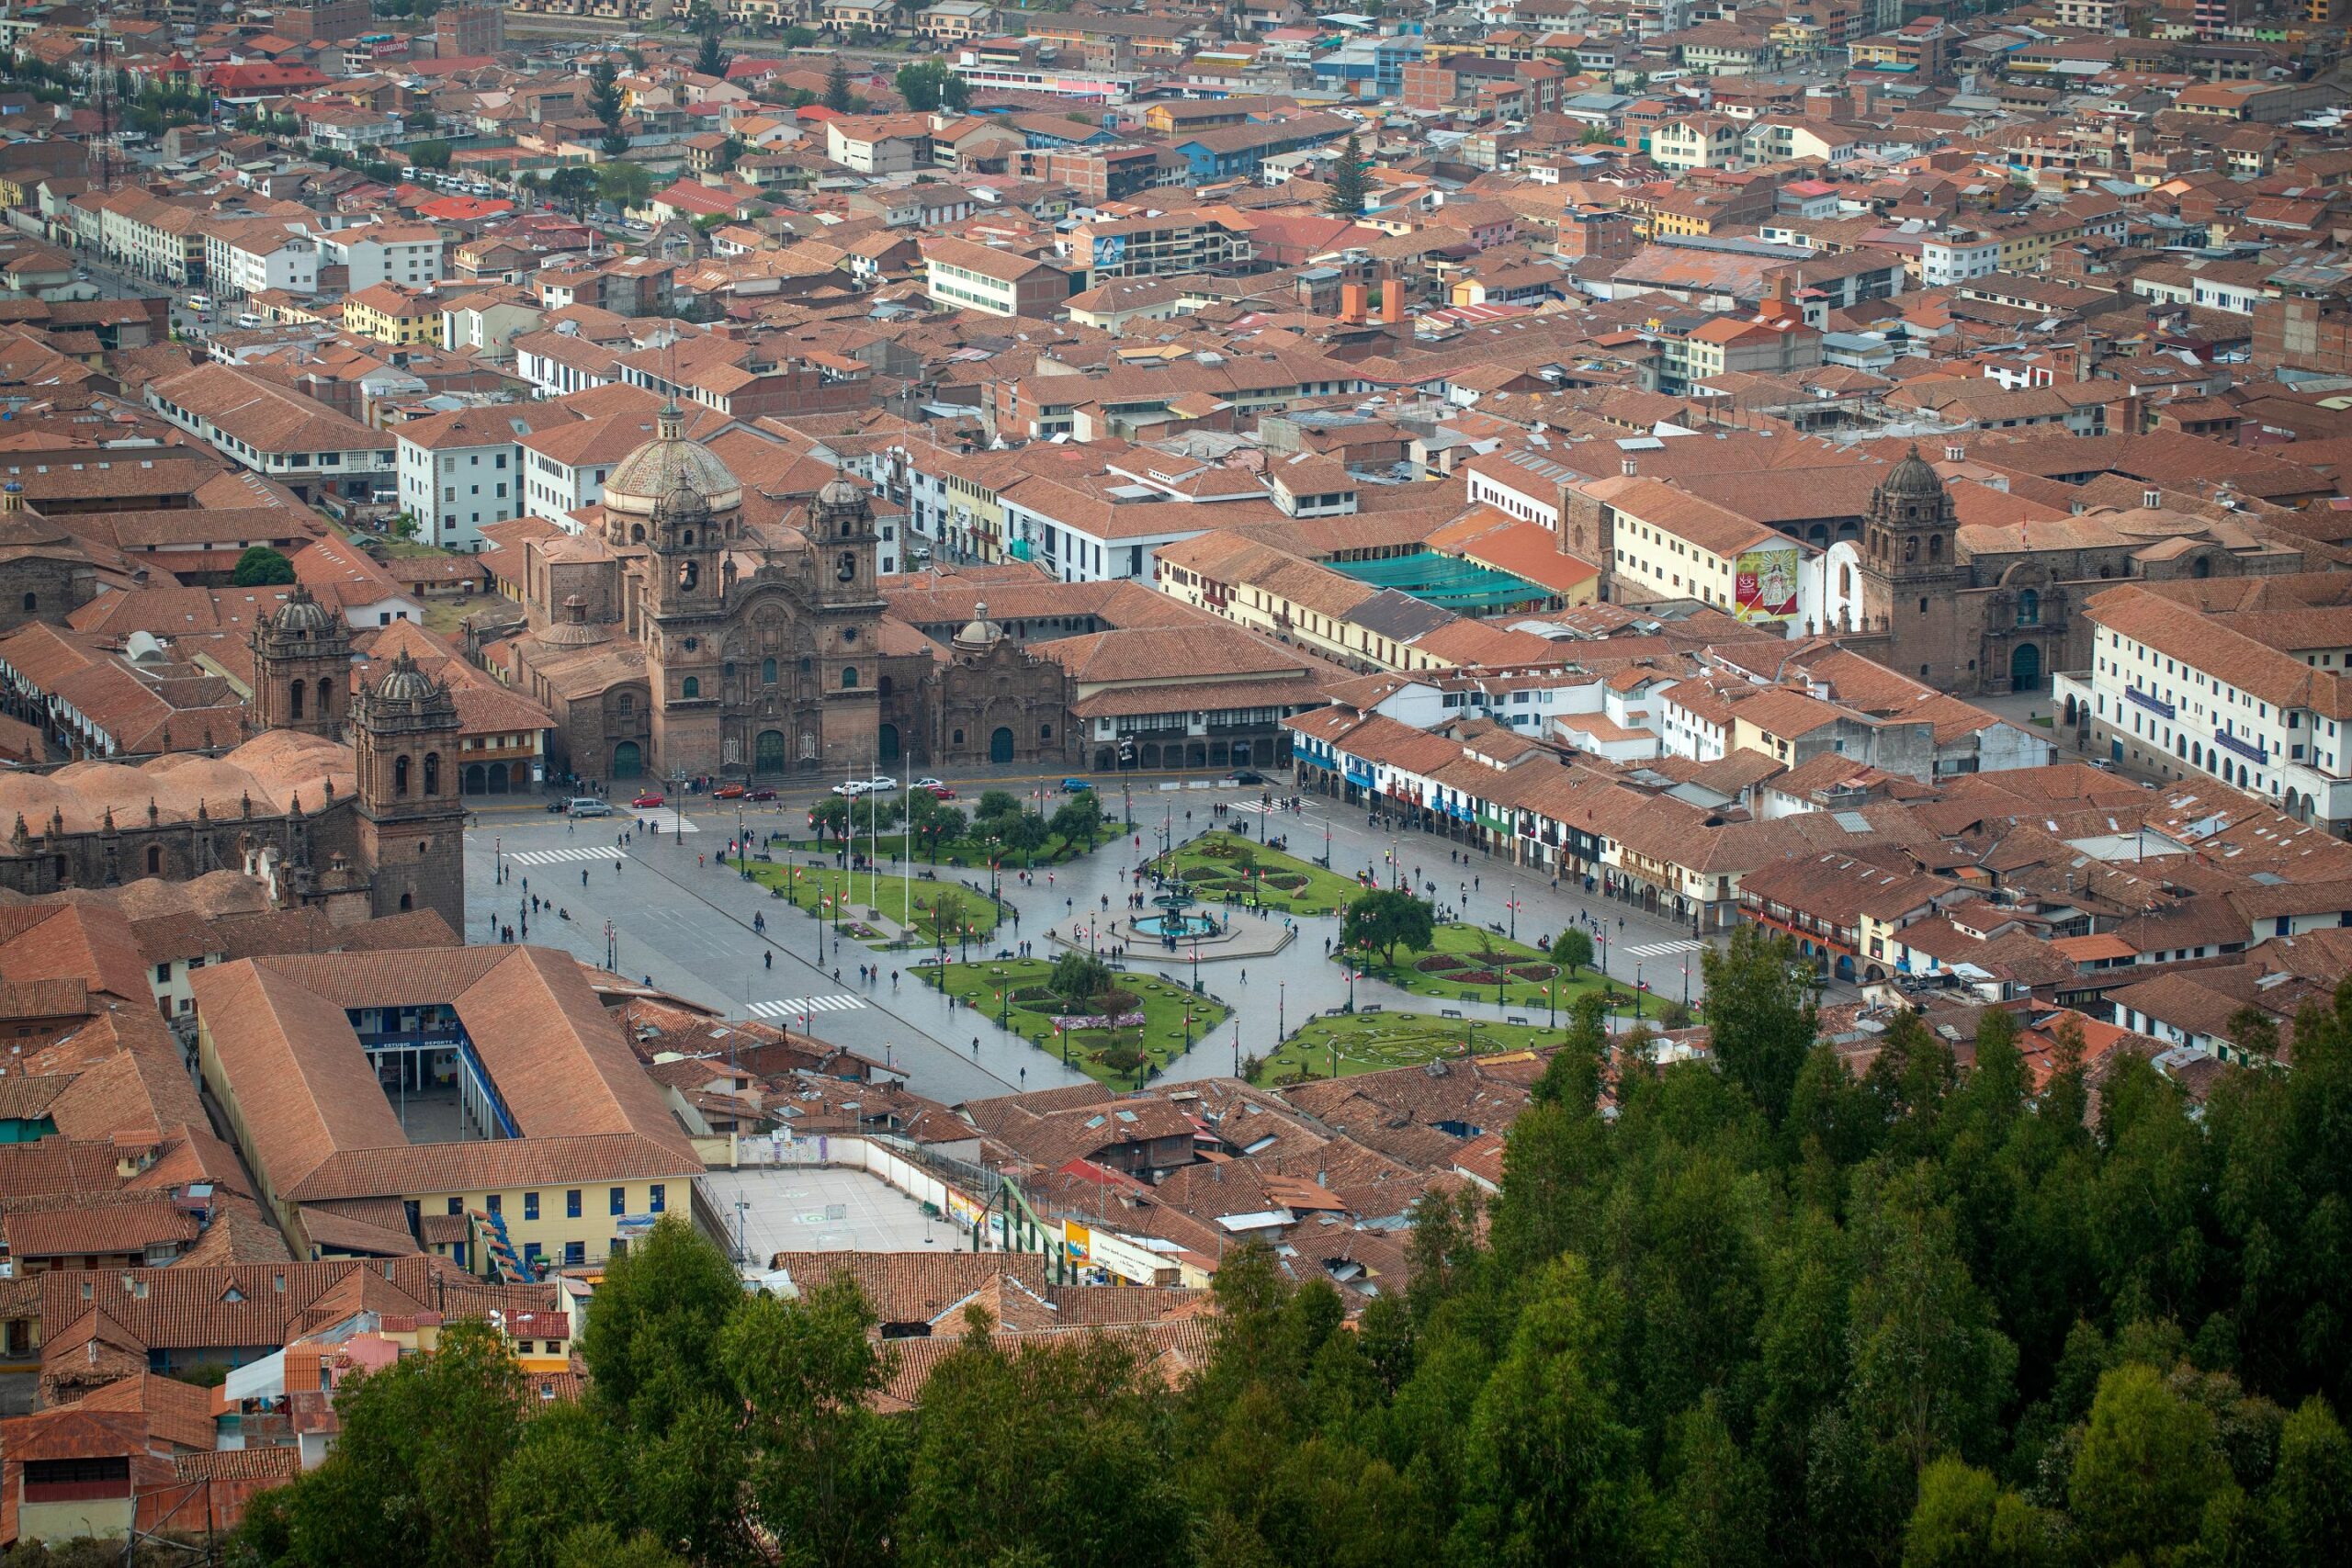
{"x": 1439, "y": 964}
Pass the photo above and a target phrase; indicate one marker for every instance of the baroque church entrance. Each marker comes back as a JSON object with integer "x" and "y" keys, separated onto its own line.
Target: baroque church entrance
{"x": 2025, "y": 668}
{"x": 767, "y": 752}
{"x": 887, "y": 740}
{"x": 1001, "y": 746}
{"x": 628, "y": 760}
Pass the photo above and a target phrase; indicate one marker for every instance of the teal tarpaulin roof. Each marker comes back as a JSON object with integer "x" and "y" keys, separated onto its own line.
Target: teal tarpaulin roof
{"x": 1445, "y": 580}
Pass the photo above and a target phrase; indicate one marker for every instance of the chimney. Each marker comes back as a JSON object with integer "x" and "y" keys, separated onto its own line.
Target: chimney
{"x": 2152, "y": 498}
{"x": 1955, "y": 454}
{"x": 1352, "y": 301}
{"x": 1392, "y": 298}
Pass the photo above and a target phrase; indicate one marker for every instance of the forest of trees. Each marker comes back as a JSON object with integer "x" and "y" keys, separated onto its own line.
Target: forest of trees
{"x": 1757, "y": 1312}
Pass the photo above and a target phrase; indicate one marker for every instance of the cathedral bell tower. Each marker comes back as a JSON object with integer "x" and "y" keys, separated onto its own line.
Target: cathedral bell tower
{"x": 1912, "y": 574}
{"x": 404, "y": 740}
{"x": 841, "y": 527}
{"x": 301, "y": 667}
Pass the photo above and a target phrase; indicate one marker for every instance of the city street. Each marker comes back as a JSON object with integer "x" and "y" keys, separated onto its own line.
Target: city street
{"x": 684, "y": 921}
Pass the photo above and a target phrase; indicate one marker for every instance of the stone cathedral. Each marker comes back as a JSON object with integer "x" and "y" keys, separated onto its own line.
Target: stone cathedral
{"x": 679, "y": 641}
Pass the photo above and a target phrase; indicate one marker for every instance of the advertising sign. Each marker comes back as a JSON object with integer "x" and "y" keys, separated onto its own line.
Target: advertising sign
{"x": 1765, "y": 585}
{"x": 1110, "y": 250}
{"x": 1077, "y": 1242}
{"x": 962, "y": 1210}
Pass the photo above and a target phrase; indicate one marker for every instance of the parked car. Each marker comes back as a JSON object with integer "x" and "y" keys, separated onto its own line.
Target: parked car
{"x": 728, "y": 792}
{"x": 928, "y": 782}
{"x": 1071, "y": 786}
{"x": 650, "y": 797}
{"x": 759, "y": 795}
{"x": 1248, "y": 776}
{"x": 881, "y": 783}
{"x": 587, "y": 806}
{"x": 851, "y": 788}
{"x": 940, "y": 792}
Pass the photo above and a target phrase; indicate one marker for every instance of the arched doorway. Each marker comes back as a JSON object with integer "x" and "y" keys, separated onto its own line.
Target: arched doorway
{"x": 2025, "y": 668}
{"x": 475, "y": 783}
{"x": 1000, "y": 745}
{"x": 767, "y": 752}
{"x": 628, "y": 760}
{"x": 498, "y": 778}
{"x": 887, "y": 740}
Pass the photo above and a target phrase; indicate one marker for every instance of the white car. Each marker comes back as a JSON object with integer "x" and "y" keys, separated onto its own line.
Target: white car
{"x": 881, "y": 783}
{"x": 928, "y": 784}
{"x": 853, "y": 788}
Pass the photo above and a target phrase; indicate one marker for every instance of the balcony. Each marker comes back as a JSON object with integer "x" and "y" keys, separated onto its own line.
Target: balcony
{"x": 2249, "y": 749}
{"x": 2150, "y": 701}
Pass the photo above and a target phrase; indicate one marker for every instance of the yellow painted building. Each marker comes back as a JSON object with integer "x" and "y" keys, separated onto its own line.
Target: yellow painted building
{"x": 392, "y": 314}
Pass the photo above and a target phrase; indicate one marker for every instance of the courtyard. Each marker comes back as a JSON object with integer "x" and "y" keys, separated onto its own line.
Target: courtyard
{"x": 1376, "y": 1041}
{"x": 1011, "y": 992}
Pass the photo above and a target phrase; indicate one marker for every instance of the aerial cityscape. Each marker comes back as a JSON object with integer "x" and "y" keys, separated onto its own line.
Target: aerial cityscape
{"x": 1174, "y": 783}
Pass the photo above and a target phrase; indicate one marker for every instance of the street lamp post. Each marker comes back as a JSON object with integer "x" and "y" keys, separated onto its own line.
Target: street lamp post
{"x": 612, "y": 953}
{"x": 497, "y": 857}
{"x": 1551, "y": 1003}
{"x": 1638, "y": 989}
{"x": 742, "y": 844}
{"x": 677, "y": 808}
{"x": 1281, "y": 1018}
{"x": 1514, "y": 911}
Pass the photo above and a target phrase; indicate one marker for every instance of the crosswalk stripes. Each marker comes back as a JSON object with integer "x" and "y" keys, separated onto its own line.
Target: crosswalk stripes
{"x": 577, "y": 852}
{"x": 1258, "y": 806}
{"x": 1662, "y": 949}
{"x": 793, "y": 1006}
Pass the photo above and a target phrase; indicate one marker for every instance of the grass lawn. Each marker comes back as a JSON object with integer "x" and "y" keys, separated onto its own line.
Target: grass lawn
{"x": 983, "y": 986}
{"x": 1374, "y": 1042}
{"x": 808, "y": 886}
{"x": 955, "y": 854}
{"x": 1218, "y": 863}
{"x": 1461, "y": 950}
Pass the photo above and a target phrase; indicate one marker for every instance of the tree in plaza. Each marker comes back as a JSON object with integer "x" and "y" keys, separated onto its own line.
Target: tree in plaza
{"x": 1387, "y": 919}
{"x": 1572, "y": 947}
{"x": 830, "y": 818}
{"x": 1080, "y": 816}
{"x": 1078, "y": 978}
{"x": 837, "y": 97}
{"x": 1025, "y": 834}
{"x": 261, "y": 567}
{"x": 1349, "y": 185}
{"x": 947, "y": 916}
{"x": 934, "y": 822}
{"x": 1760, "y": 1007}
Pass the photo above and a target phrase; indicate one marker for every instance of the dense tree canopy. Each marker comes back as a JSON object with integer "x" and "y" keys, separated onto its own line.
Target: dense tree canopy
{"x": 1718, "y": 1317}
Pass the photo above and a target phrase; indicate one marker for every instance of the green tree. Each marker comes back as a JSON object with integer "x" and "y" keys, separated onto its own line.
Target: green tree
{"x": 1718, "y": 1504}
{"x": 414, "y": 1472}
{"x": 625, "y": 186}
{"x": 837, "y": 86}
{"x": 2146, "y": 1467}
{"x": 1350, "y": 186}
{"x": 574, "y": 185}
{"x": 1386, "y": 918}
{"x": 1572, "y": 947}
{"x": 1761, "y": 1009}
{"x": 1078, "y": 978}
{"x": 2310, "y": 1498}
{"x": 1017, "y": 1448}
{"x": 948, "y": 918}
{"x": 1025, "y": 834}
{"x": 1963, "y": 1520}
{"x": 730, "y": 153}
{"x": 955, "y": 92}
{"x": 709, "y": 61}
{"x": 923, "y": 84}
{"x": 798, "y": 38}
{"x": 1080, "y": 816}
{"x": 652, "y": 1344}
{"x": 830, "y": 1470}
{"x": 432, "y": 154}
{"x": 1552, "y": 1473}
{"x": 261, "y": 567}
{"x": 605, "y": 94}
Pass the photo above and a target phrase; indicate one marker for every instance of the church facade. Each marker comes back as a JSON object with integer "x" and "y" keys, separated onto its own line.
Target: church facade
{"x": 681, "y": 642}
{"x": 349, "y": 802}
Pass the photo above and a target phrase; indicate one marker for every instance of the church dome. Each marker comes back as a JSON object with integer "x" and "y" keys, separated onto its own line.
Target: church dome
{"x": 651, "y": 476}
{"x": 1913, "y": 476}
{"x": 301, "y": 614}
{"x": 840, "y": 492}
{"x": 406, "y": 683}
{"x": 980, "y": 633}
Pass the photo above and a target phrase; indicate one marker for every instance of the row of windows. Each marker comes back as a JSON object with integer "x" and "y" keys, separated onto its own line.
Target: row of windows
{"x": 657, "y": 1201}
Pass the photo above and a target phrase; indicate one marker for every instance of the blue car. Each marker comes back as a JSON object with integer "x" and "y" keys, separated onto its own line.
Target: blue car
{"x": 1073, "y": 785}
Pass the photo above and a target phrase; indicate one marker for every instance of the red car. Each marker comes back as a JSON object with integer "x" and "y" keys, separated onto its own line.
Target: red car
{"x": 650, "y": 798}
{"x": 941, "y": 792}
{"x": 728, "y": 792}
{"x": 761, "y": 794}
